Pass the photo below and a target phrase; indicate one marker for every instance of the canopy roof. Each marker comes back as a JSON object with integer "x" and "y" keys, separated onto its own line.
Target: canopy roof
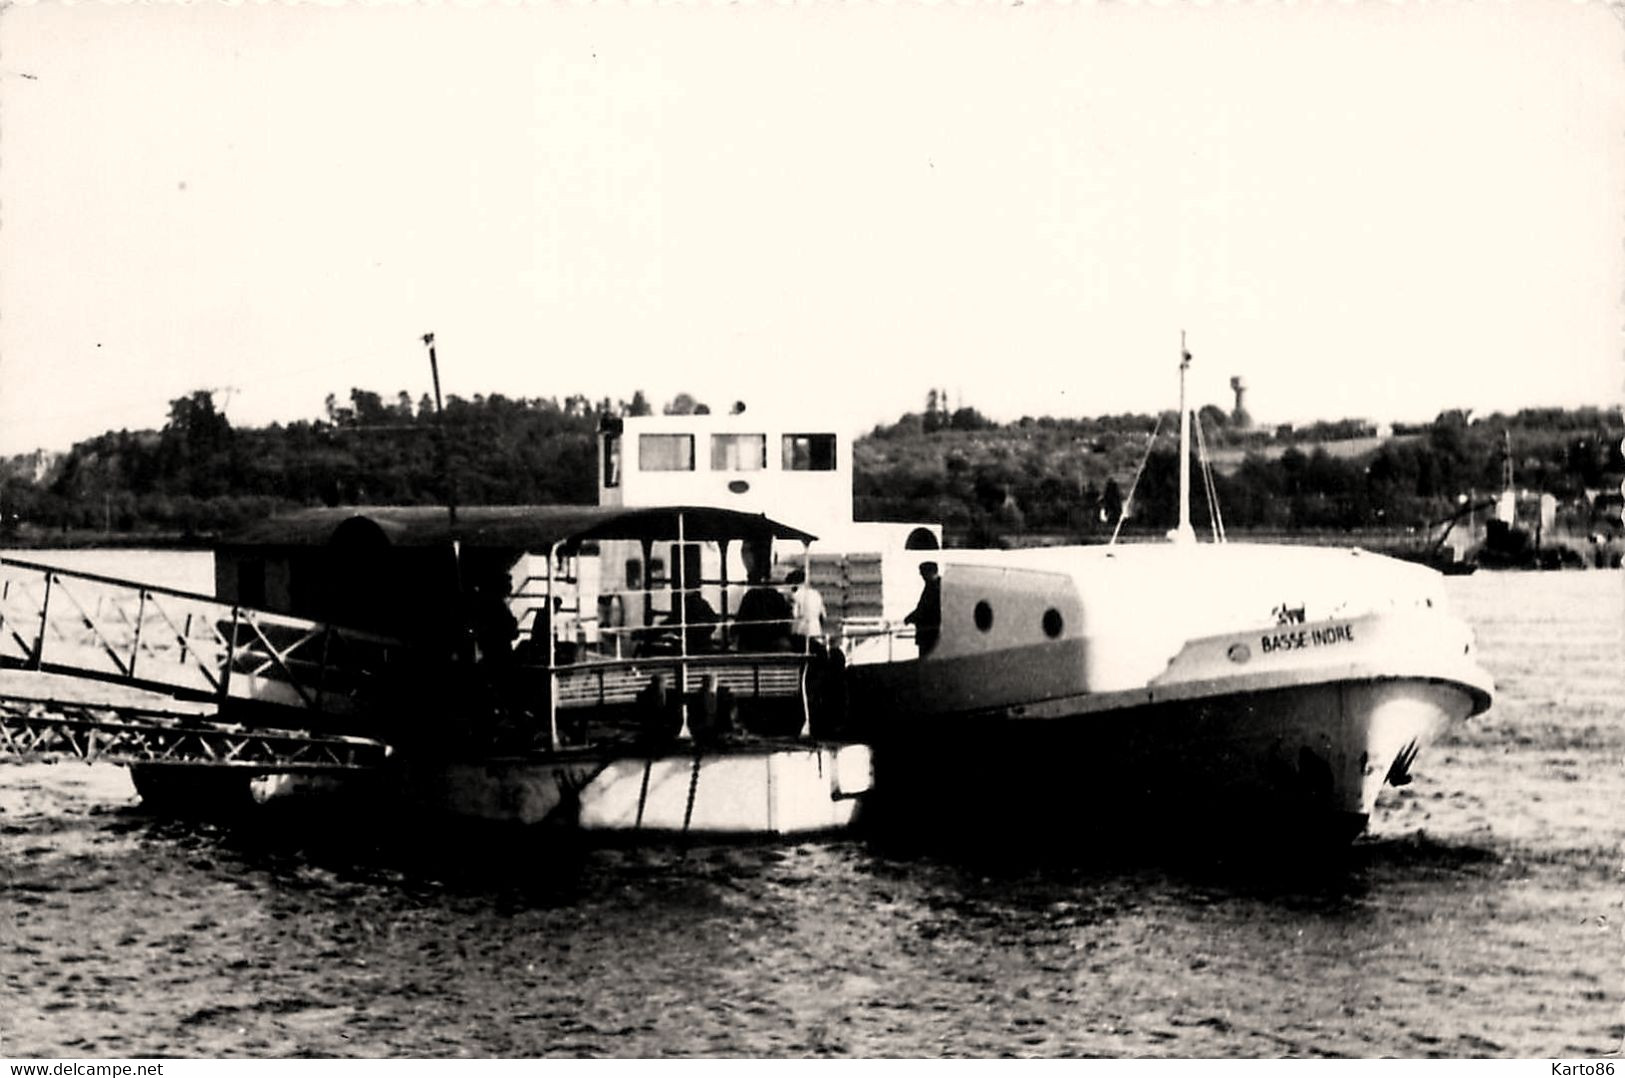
{"x": 513, "y": 527}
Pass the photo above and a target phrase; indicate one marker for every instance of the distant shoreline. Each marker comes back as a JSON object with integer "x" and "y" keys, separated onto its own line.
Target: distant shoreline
{"x": 86, "y": 539}
{"x": 1378, "y": 540}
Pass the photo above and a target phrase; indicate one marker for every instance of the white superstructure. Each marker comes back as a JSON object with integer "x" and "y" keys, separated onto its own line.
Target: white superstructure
{"x": 788, "y": 469}
{"x": 742, "y": 461}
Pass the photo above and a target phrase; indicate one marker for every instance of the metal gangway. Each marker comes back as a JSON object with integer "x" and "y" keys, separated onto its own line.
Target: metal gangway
{"x": 169, "y": 661}
{"x": 47, "y": 729}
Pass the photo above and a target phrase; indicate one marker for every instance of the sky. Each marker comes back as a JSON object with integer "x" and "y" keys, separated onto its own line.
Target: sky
{"x": 1369, "y": 209}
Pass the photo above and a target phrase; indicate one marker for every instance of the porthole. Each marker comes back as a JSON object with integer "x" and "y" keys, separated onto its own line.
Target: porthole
{"x": 984, "y": 616}
{"x": 1052, "y": 623}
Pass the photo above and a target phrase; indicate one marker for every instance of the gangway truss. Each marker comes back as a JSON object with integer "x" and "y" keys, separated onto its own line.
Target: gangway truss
{"x": 314, "y": 676}
{"x": 193, "y": 647}
{"x": 50, "y": 730}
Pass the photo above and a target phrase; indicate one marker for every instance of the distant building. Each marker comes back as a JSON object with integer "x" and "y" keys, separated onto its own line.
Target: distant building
{"x": 1239, "y": 419}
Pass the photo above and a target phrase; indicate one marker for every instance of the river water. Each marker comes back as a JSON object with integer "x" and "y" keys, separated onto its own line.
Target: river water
{"x": 1481, "y": 917}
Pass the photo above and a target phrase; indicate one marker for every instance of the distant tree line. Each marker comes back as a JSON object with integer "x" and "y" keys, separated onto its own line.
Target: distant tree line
{"x": 201, "y": 475}
{"x": 1073, "y": 476}
{"x": 984, "y": 481}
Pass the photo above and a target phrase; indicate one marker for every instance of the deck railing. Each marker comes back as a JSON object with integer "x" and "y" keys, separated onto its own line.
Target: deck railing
{"x": 587, "y": 631}
{"x": 598, "y": 682}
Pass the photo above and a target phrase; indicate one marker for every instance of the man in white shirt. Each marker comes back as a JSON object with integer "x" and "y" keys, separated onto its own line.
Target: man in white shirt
{"x": 806, "y": 611}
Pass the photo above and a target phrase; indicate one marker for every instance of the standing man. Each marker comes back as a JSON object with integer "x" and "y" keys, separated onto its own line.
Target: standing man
{"x": 927, "y": 614}
{"x": 806, "y": 611}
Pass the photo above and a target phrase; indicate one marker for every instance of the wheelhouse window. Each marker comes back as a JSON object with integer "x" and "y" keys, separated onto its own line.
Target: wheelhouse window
{"x": 738, "y": 452}
{"x": 612, "y": 460}
{"x": 666, "y": 452}
{"x": 809, "y": 452}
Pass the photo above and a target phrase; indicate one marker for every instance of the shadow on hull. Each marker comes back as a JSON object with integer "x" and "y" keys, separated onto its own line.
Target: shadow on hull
{"x": 1111, "y": 830}
{"x": 1040, "y": 795}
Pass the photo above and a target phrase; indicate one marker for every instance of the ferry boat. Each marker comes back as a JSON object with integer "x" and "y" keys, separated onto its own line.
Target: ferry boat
{"x": 590, "y": 665}
{"x": 559, "y": 695}
{"x": 476, "y": 667}
{"x": 619, "y": 667}
{"x": 1214, "y": 688}
{"x": 1182, "y": 686}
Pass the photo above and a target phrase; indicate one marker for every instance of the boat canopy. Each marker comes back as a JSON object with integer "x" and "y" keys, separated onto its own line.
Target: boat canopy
{"x": 513, "y": 527}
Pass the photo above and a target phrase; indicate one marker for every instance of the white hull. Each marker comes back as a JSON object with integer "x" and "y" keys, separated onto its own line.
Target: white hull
{"x": 761, "y": 791}
{"x": 782, "y": 791}
{"x": 1125, "y": 721}
{"x": 1312, "y": 757}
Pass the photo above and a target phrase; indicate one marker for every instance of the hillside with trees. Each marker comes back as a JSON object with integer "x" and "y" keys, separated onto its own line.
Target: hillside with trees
{"x": 200, "y": 475}
{"x": 1029, "y": 480}
{"x": 1071, "y": 477}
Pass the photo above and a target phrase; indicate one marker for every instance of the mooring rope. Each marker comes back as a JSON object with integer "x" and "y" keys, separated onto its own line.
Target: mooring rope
{"x": 1214, "y": 516}
{"x": 693, "y": 786}
{"x": 1123, "y": 510}
{"x": 643, "y": 792}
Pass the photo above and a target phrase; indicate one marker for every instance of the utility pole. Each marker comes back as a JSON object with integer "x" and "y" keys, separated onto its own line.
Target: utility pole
{"x": 448, "y": 487}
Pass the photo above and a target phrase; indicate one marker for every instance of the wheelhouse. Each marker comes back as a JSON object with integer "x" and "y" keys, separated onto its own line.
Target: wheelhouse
{"x": 789, "y": 468}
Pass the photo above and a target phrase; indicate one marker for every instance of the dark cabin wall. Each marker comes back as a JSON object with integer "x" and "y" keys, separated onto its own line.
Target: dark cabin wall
{"x": 414, "y": 593}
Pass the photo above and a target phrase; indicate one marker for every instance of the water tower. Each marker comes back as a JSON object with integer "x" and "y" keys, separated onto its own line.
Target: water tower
{"x": 1239, "y": 417}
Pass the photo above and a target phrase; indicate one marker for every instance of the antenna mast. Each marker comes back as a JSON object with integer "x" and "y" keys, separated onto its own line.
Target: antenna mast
{"x": 1184, "y": 533}
{"x": 440, "y": 432}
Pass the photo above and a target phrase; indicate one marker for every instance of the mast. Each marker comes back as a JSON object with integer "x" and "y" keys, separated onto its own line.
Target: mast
{"x": 1184, "y": 533}
{"x": 1506, "y": 506}
{"x": 448, "y": 485}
